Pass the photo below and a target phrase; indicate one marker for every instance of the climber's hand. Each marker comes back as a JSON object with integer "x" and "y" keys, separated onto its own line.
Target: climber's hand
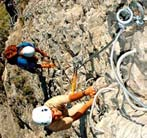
{"x": 90, "y": 91}
{"x": 45, "y": 55}
{"x": 45, "y": 59}
{"x": 92, "y": 94}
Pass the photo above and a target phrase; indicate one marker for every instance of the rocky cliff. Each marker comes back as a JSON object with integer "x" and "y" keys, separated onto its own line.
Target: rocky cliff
{"x": 70, "y": 32}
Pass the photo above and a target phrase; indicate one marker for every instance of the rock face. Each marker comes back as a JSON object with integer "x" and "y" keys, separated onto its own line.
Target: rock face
{"x": 70, "y": 32}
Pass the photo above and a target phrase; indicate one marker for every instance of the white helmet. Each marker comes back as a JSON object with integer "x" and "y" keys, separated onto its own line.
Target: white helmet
{"x": 42, "y": 115}
{"x": 28, "y": 51}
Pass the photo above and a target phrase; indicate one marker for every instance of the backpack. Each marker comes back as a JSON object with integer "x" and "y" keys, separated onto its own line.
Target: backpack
{"x": 10, "y": 51}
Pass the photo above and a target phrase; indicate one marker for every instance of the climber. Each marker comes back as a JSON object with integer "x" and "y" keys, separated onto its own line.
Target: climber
{"x": 23, "y": 56}
{"x": 10, "y": 7}
{"x": 56, "y": 117}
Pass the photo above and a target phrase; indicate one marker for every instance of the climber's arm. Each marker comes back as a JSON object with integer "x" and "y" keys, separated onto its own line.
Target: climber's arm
{"x": 64, "y": 99}
{"x": 58, "y": 100}
{"x": 41, "y": 52}
{"x": 82, "y": 111}
{"x": 77, "y": 95}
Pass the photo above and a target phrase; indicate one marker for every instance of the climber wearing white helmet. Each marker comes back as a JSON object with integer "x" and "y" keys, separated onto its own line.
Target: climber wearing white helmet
{"x": 42, "y": 115}
{"x": 28, "y": 51}
{"x": 54, "y": 114}
{"x": 23, "y": 55}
